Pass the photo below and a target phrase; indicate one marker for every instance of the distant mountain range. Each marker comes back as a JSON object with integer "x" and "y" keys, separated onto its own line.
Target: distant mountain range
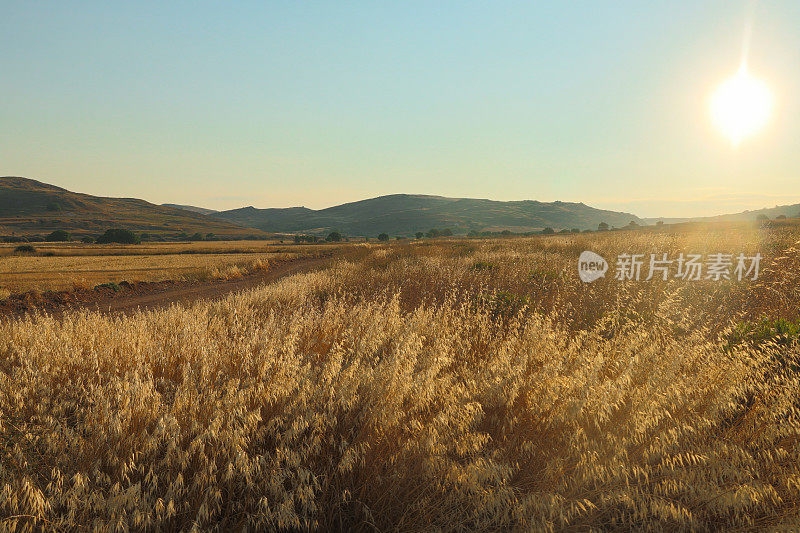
{"x": 405, "y": 214}
{"x": 788, "y": 211}
{"x": 30, "y": 207}
{"x": 34, "y": 208}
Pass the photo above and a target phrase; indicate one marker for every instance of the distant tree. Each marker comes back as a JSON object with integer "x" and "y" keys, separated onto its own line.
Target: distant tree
{"x": 196, "y": 236}
{"x": 59, "y": 235}
{"x": 447, "y": 232}
{"x": 53, "y": 206}
{"x": 419, "y": 235}
{"x": 334, "y": 236}
{"x": 25, "y": 249}
{"x": 602, "y": 226}
{"x": 548, "y": 231}
{"x": 211, "y": 237}
{"x": 633, "y": 224}
{"x": 87, "y": 240}
{"x": 298, "y": 239}
{"x": 383, "y": 237}
{"x": 433, "y": 232}
{"x": 118, "y": 235}
{"x": 575, "y": 230}
{"x": 183, "y": 236}
{"x": 505, "y": 232}
{"x": 588, "y": 230}
{"x": 780, "y": 217}
{"x": 565, "y": 230}
{"x": 473, "y": 233}
{"x": 400, "y": 238}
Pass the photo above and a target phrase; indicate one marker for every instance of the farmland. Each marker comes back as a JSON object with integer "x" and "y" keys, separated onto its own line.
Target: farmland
{"x": 447, "y": 384}
{"x": 62, "y": 266}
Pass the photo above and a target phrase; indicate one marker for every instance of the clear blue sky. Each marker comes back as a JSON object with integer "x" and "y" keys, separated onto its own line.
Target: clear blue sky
{"x": 316, "y": 103}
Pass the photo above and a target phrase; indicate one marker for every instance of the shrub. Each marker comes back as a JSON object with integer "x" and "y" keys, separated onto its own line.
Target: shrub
{"x": 602, "y": 226}
{"x": 482, "y": 265}
{"x": 334, "y": 236}
{"x": 383, "y": 237}
{"x": 548, "y": 231}
{"x": 118, "y": 235}
{"x": 87, "y": 240}
{"x": 25, "y": 249}
{"x": 419, "y": 235}
{"x": 59, "y": 235}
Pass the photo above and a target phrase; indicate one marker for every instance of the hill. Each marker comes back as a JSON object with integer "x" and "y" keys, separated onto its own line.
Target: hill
{"x": 192, "y": 208}
{"x": 405, "y": 214}
{"x": 30, "y": 207}
{"x": 788, "y": 211}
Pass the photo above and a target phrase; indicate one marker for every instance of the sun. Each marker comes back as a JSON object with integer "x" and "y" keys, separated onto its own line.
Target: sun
{"x": 741, "y": 106}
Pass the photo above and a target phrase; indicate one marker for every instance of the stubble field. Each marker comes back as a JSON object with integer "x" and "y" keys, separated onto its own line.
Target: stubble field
{"x": 451, "y": 385}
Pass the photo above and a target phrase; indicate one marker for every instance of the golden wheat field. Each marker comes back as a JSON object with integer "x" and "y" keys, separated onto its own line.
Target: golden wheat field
{"x": 62, "y": 266}
{"x": 436, "y": 385}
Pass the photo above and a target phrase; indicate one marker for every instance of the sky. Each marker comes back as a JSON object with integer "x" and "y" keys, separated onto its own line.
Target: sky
{"x": 277, "y": 104}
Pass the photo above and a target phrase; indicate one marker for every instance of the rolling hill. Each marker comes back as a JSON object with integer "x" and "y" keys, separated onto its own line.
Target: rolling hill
{"x": 404, "y": 214}
{"x": 30, "y": 207}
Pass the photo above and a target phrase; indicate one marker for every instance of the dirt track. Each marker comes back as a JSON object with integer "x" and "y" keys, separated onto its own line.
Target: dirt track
{"x": 128, "y": 297}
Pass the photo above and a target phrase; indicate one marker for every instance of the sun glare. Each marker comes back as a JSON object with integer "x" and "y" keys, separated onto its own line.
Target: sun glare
{"x": 741, "y": 106}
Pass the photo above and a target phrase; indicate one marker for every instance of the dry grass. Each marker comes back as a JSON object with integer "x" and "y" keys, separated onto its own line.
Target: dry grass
{"x": 466, "y": 385}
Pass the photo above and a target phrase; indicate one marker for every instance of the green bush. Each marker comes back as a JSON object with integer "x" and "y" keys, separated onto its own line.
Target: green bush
{"x": 59, "y": 235}
{"x": 383, "y": 237}
{"x": 482, "y": 266}
{"x": 334, "y": 236}
{"x": 118, "y": 235}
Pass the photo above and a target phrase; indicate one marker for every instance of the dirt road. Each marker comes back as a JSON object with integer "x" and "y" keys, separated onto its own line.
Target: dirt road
{"x": 128, "y": 297}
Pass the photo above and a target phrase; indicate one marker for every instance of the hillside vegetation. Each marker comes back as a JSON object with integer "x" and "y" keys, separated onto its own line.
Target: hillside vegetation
{"x": 31, "y": 207}
{"x": 407, "y": 214}
{"x": 429, "y": 386}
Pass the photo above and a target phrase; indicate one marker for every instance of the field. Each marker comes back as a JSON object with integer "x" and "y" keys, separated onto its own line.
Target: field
{"x": 427, "y": 385}
{"x": 63, "y": 266}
